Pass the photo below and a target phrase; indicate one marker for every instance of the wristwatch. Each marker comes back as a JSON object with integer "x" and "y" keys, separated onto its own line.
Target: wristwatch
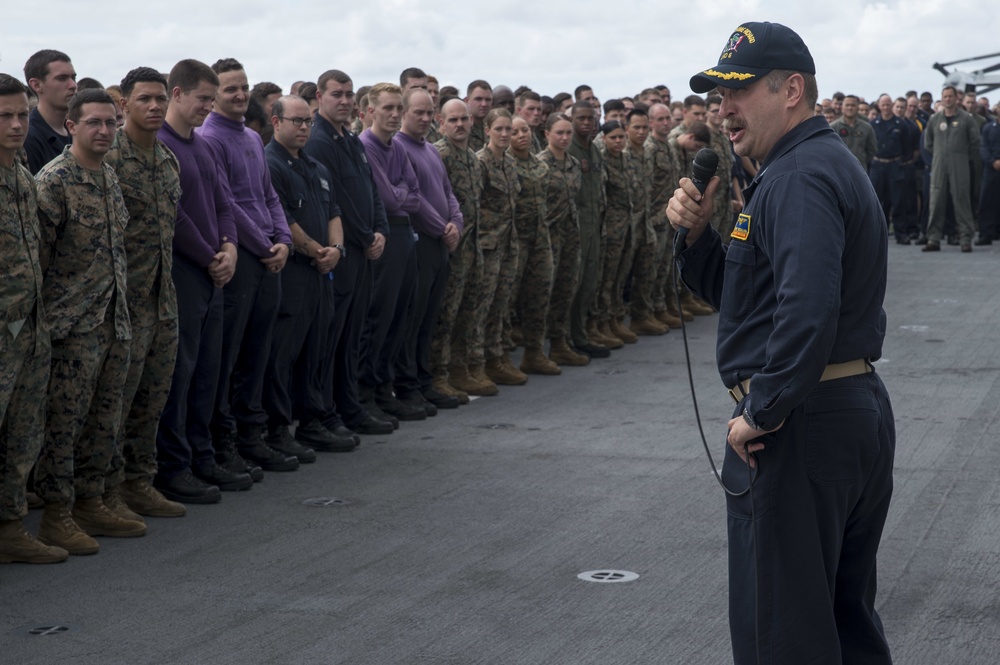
{"x": 343, "y": 250}
{"x": 748, "y": 419}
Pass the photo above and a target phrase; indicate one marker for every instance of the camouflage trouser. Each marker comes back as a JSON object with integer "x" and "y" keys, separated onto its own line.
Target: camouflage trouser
{"x": 618, "y": 309}
{"x": 153, "y": 352}
{"x": 533, "y": 284}
{"x": 565, "y": 237}
{"x": 723, "y": 218}
{"x": 24, "y": 380}
{"x": 84, "y": 412}
{"x": 664, "y": 286}
{"x": 455, "y": 330}
{"x": 645, "y": 277}
{"x": 496, "y": 292}
{"x": 616, "y": 244}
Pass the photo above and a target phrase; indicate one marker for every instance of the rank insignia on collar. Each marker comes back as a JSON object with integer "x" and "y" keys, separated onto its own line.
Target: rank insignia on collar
{"x": 742, "y": 230}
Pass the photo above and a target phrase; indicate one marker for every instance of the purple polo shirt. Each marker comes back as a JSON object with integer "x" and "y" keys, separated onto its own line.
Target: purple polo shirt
{"x": 239, "y": 151}
{"x": 394, "y": 177}
{"x": 204, "y": 216}
{"x": 438, "y": 204}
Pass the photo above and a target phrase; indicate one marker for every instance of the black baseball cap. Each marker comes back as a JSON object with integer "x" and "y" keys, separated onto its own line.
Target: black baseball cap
{"x": 753, "y": 50}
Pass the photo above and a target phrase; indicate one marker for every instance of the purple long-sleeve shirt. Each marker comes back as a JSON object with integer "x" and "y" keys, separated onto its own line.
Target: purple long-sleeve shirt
{"x": 394, "y": 177}
{"x": 204, "y": 216}
{"x": 260, "y": 219}
{"x": 438, "y": 204}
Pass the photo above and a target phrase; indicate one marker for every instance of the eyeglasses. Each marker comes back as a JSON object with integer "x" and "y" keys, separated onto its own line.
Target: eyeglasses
{"x": 94, "y": 124}
{"x": 298, "y": 122}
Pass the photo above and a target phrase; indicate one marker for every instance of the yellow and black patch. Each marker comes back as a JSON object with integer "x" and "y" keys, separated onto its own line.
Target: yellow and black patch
{"x": 742, "y": 230}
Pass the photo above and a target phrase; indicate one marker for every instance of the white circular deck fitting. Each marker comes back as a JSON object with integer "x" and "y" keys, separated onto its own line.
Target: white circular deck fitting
{"x": 608, "y": 576}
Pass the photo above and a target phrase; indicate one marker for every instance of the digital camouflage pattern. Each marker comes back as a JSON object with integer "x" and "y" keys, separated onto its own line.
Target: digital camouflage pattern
{"x": 150, "y": 184}
{"x": 455, "y": 332}
{"x": 24, "y": 341}
{"x": 619, "y": 224}
{"x": 498, "y": 238}
{"x": 533, "y": 283}
{"x": 565, "y": 180}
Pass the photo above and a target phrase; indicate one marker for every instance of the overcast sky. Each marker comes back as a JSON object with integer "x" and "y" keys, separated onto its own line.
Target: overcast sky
{"x": 616, "y": 46}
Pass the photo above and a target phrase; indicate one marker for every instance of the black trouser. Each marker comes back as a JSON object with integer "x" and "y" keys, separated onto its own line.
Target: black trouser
{"x": 820, "y": 498}
{"x": 989, "y": 204}
{"x": 414, "y": 370}
{"x": 352, "y": 288}
{"x": 891, "y": 181}
{"x": 294, "y": 367}
{"x": 385, "y": 329}
{"x": 183, "y": 438}
{"x": 250, "y": 307}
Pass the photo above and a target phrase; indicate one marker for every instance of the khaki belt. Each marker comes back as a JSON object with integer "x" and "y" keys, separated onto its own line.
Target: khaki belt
{"x": 837, "y": 371}
{"x": 882, "y": 160}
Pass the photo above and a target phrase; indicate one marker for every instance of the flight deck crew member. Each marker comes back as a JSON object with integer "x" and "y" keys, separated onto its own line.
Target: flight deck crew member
{"x": 52, "y": 78}
{"x": 895, "y": 148}
{"x": 24, "y": 340}
{"x": 150, "y": 180}
{"x": 204, "y": 261}
{"x": 438, "y": 224}
{"x": 82, "y": 216}
{"x": 952, "y": 139}
{"x": 333, "y": 145}
{"x": 394, "y": 273}
{"x": 293, "y": 384}
{"x": 989, "y": 198}
{"x": 250, "y": 299}
{"x": 800, "y": 293}
{"x": 858, "y": 136}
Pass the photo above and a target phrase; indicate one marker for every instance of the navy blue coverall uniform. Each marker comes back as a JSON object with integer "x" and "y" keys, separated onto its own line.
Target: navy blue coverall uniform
{"x": 989, "y": 193}
{"x": 892, "y": 171}
{"x": 362, "y": 215}
{"x": 800, "y": 287}
{"x": 293, "y": 385}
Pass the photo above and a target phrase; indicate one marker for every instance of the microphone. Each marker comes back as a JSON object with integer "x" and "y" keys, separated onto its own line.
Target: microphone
{"x": 704, "y": 166}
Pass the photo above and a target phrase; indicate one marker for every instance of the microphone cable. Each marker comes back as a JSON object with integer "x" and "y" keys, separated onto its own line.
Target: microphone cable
{"x": 751, "y": 470}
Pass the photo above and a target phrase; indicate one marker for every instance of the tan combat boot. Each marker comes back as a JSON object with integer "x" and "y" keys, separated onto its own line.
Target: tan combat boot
{"x": 485, "y": 386}
{"x": 97, "y": 520}
{"x": 143, "y": 498}
{"x": 561, "y": 354}
{"x": 112, "y": 498}
{"x": 670, "y": 317}
{"x": 459, "y": 379}
{"x": 691, "y": 304}
{"x": 616, "y": 328}
{"x": 440, "y": 384}
{"x": 514, "y": 371}
{"x": 535, "y": 362}
{"x": 648, "y": 326}
{"x": 597, "y": 336}
{"x": 58, "y": 529}
{"x": 19, "y": 546}
{"x": 502, "y": 375}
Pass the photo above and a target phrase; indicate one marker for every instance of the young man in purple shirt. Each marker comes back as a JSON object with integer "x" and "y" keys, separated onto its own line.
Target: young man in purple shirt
{"x": 204, "y": 261}
{"x": 396, "y": 271}
{"x": 250, "y": 300}
{"x": 438, "y": 222}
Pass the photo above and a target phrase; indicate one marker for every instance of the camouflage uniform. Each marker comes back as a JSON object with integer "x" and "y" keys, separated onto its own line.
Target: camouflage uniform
{"x": 150, "y": 183}
{"x": 533, "y": 283}
{"x": 498, "y": 238}
{"x": 82, "y": 216}
{"x": 24, "y": 339}
{"x": 652, "y": 263}
{"x": 434, "y": 133}
{"x": 591, "y": 204}
{"x": 619, "y": 221}
{"x": 644, "y": 236}
{"x": 477, "y": 136}
{"x": 722, "y": 219}
{"x": 454, "y": 335}
{"x": 565, "y": 178}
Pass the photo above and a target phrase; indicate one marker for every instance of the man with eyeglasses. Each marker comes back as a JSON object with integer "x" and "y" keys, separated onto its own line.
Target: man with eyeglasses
{"x": 250, "y": 300}
{"x": 332, "y": 144}
{"x": 293, "y": 387}
{"x": 82, "y": 216}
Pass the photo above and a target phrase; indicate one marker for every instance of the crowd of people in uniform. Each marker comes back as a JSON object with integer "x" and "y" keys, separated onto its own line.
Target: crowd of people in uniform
{"x": 206, "y": 281}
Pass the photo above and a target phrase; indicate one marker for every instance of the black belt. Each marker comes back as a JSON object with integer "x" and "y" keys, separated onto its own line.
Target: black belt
{"x": 395, "y": 220}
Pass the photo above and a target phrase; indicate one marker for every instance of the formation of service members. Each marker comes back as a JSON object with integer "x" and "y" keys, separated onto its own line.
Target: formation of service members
{"x": 208, "y": 281}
